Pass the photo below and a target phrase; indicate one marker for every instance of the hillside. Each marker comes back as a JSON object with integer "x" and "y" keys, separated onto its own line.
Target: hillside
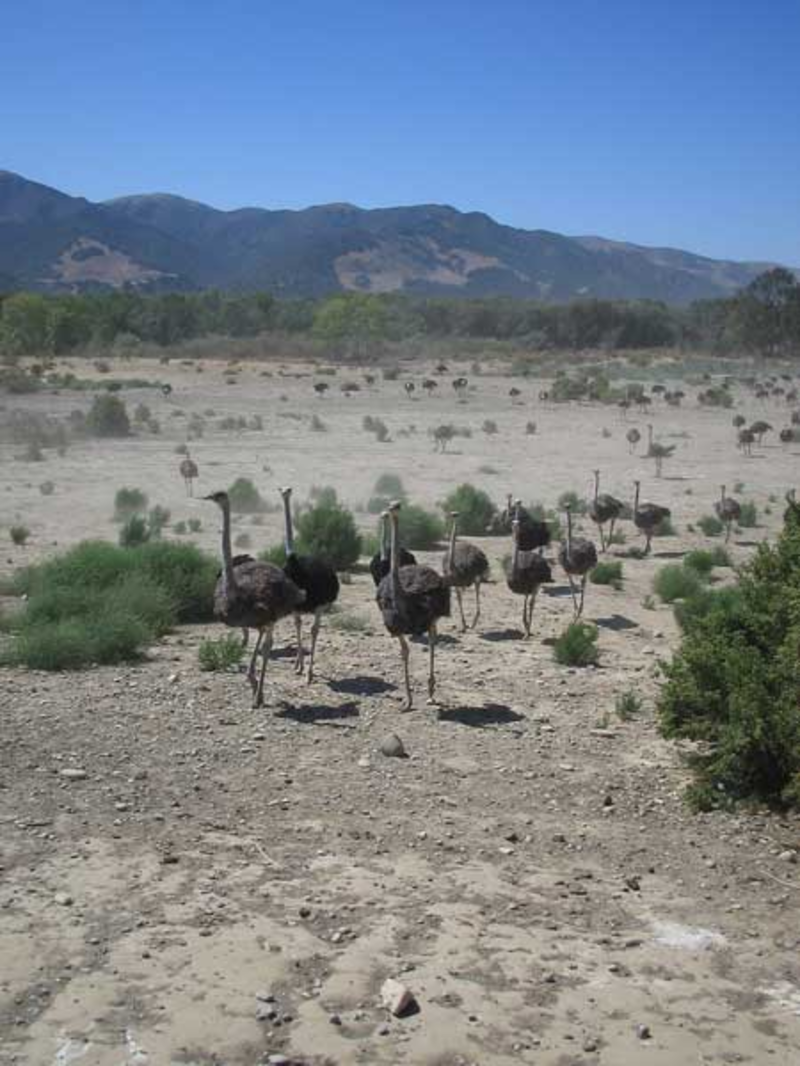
{"x": 50, "y": 241}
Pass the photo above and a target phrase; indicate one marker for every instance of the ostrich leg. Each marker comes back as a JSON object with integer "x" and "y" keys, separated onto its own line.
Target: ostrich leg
{"x": 583, "y": 593}
{"x": 404, "y": 656}
{"x": 477, "y": 603}
{"x": 431, "y": 664}
{"x": 251, "y": 670}
{"x": 299, "y": 658}
{"x": 610, "y": 539}
{"x": 315, "y": 628}
{"x": 461, "y": 610}
{"x": 649, "y": 537}
{"x": 529, "y": 620}
{"x": 602, "y": 540}
{"x": 259, "y": 696}
{"x": 525, "y": 625}
{"x": 574, "y": 598}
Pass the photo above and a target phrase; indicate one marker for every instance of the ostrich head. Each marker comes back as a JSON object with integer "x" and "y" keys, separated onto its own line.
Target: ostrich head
{"x": 285, "y": 491}
{"x": 220, "y": 498}
{"x": 394, "y": 507}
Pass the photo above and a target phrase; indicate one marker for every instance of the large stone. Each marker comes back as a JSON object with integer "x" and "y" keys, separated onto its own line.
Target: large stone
{"x": 392, "y": 747}
{"x": 397, "y": 998}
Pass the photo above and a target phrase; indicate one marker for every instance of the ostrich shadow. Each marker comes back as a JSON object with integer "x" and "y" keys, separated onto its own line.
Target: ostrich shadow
{"x": 361, "y": 685}
{"x": 556, "y": 591}
{"x": 678, "y": 477}
{"x": 308, "y": 714}
{"x": 616, "y": 622}
{"x": 495, "y": 636}
{"x": 443, "y": 640}
{"x": 668, "y": 554}
{"x": 481, "y": 717}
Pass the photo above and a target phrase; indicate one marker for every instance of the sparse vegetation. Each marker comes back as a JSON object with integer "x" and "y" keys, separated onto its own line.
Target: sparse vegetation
{"x": 47, "y": 488}
{"x": 710, "y": 525}
{"x": 327, "y": 530}
{"x": 475, "y": 509}
{"x": 703, "y": 562}
{"x": 607, "y": 573}
{"x": 129, "y": 502}
{"x": 420, "y": 530}
{"x": 748, "y": 519}
{"x": 134, "y": 532}
{"x": 222, "y": 654}
{"x": 627, "y": 706}
{"x": 577, "y": 645}
{"x": 108, "y": 417}
{"x": 245, "y": 497}
{"x": 376, "y": 426}
{"x": 19, "y": 534}
{"x": 676, "y": 582}
{"x": 572, "y": 500}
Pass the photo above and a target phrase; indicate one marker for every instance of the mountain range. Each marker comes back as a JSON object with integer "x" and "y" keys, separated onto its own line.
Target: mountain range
{"x": 53, "y": 242}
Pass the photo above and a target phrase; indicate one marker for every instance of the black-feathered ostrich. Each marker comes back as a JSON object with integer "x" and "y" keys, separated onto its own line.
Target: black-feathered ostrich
{"x": 412, "y": 599}
{"x": 633, "y": 436}
{"x": 252, "y": 595}
{"x": 380, "y": 563}
{"x": 534, "y": 533}
{"x": 529, "y": 571}
{"x": 577, "y": 557}
{"x": 464, "y": 566}
{"x": 604, "y": 509}
{"x": 188, "y": 470}
{"x": 314, "y": 577}
{"x": 728, "y": 511}
{"x": 647, "y": 517}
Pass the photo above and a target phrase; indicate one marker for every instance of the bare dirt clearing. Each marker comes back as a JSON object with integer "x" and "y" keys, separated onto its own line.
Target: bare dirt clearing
{"x": 221, "y": 885}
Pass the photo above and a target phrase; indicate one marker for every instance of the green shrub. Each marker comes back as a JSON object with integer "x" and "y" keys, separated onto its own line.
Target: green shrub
{"x": 179, "y": 529}
{"x": 245, "y": 497}
{"x": 19, "y": 534}
{"x": 108, "y": 417}
{"x": 135, "y": 531}
{"x": 420, "y": 530}
{"x": 275, "y": 555}
{"x": 665, "y": 528}
{"x": 627, "y": 705}
{"x": 324, "y": 496}
{"x": 702, "y": 603}
{"x": 606, "y": 573}
{"x": 328, "y": 531}
{"x": 157, "y": 518}
{"x": 710, "y": 525}
{"x": 47, "y": 488}
{"x": 676, "y": 582}
{"x": 475, "y": 508}
{"x": 733, "y": 683}
{"x": 391, "y": 486}
{"x": 243, "y": 540}
{"x": 703, "y": 562}
{"x": 748, "y": 518}
{"x": 577, "y": 645}
{"x": 222, "y": 654}
{"x": 195, "y": 525}
{"x": 128, "y": 502}
{"x": 573, "y": 501}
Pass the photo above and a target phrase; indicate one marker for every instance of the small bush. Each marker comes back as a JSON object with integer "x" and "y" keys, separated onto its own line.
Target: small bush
{"x": 390, "y": 485}
{"x": 179, "y": 529}
{"x": 748, "y": 519}
{"x": 607, "y": 574}
{"x": 108, "y": 417}
{"x": 703, "y": 562}
{"x": 317, "y": 425}
{"x": 47, "y": 488}
{"x": 275, "y": 555}
{"x": 243, "y": 540}
{"x": 328, "y": 531}
{"x": 245, "y": 497}
{"x": 710, "y": 525}
{"x": 627, "y": 705}
{"x": 135, "y": 531}
{"x": 195, "y": 525}
{"x": 530, "y": 429}
{"x": 376, "y": 426}
{"x": 19, "y": 535}
{"x": 489, "y": 427}
{"x": 675, "y": 582}
{"x": 420, "y": 530}
{"x": 129, "y": 502}
{"x": 222, "y": 654}
{"x": 577, "y": 645}
{"x": 573, "y": 501}
{"x": 475, "y": 508}
{"x": 665, "y": 528}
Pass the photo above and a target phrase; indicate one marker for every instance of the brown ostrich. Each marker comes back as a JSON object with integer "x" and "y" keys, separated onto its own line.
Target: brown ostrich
{"x": 577, "y": 557}
{"x": 188, "y": 470}
{"x": 647, "y": 517}
{"x": 528, "y": 572}
{"x": 728, "y": 511}
{"x": 464, "y": 566}
{"x": 633, "y": 436}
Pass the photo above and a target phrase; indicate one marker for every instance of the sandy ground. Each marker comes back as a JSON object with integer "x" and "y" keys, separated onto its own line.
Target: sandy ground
{"x": 227, "y": 887}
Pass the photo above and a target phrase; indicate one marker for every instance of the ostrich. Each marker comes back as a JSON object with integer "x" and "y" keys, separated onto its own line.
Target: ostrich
{"x": 514, "y": 393}
{"x": 728, "y": 511}
{"x": 463, "y": 566}
{"x": 380, "y": 563}
{"x": 577, "y": 557}
{"x": 633, "y": 436}
{"x": 759, "y": 429}
{"x": 412, "y": 599}
{"x": 658, "y": 451}
{"x": 166, "y": 390}
{"x": 647, "y": 517}
{"x": 745, "y": 440}
{"x": 533, "y": 532}
{"x": 320, "y": 388}
{"x": 529, "y": 571}
{"x": 314, "y": 577}
{"x": 251, "y": 595}
{"x": 189, "y": 472}
{"x": 429, "y": 385}
{"x": 604, "y": 508}
{"x": 786, "y": 435}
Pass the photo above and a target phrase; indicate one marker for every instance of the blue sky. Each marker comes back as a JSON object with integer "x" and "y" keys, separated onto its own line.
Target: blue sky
{"x": 660, "y": 121}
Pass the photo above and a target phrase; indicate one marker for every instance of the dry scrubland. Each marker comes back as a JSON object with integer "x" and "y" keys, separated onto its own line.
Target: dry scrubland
{"x": 224, "y": 886}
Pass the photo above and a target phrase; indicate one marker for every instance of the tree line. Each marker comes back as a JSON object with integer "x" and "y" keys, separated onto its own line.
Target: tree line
{"x": 763, "y": 318}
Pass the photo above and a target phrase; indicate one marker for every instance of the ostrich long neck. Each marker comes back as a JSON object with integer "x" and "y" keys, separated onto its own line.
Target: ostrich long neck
{"x": 569, "y": 532}
{"x": 227, "y": 554}
{"x": 287, "y": 516}
{"x": 596, "y": 485}
{"x": 514, "y": 548}
{"x": 385, "y": 538}
{"x": 395, "y": 555}
{"x": 636, "y": 499}
{"x": 452, "y": 552}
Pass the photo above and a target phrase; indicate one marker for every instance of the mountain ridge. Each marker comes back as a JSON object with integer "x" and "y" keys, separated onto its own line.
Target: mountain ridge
{"x": 53, "y": 242}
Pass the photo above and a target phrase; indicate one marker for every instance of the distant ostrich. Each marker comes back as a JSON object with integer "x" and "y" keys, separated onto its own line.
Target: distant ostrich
{"x": 728, "y": 511}
{"x": 544, "y": 396}
{"x": 252, "y": 595}
{"x": 745, "y": 440}
{"x": 739, "y": 421}
{"x": 412, "y": 599}
{"x": 314, "y": 577}
{"x": 529, "y": 571}
{"x": 658, "y": 451}
{"x": 410, "y": 388}
{"x": 787, "y": 435}
{"x": 759, "y": 429}
{"x": 441, "y": 368}
{"x": 320, "y": 388}
{"x": 429, "y": 385}
{"x": 460, "y": 386}
{"x": 647, "y": 517}
{"x": 380, "y": 563}
{"x": 463, "y": 566}
{"x": 633, "y": 436}
{"x": 166, "y": 390}
{"x": 514, "y": 393}
{"x": 604, "y": 509}
{"x": 188, "y": 470}
{"x": 577, "y": 557}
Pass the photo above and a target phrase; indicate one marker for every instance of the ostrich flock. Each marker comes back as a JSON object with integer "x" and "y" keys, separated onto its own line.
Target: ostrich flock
{"x": 413, "y": 598}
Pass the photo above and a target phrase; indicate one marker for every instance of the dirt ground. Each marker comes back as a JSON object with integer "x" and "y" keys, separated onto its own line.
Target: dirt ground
{"x": 217, "y": 885}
